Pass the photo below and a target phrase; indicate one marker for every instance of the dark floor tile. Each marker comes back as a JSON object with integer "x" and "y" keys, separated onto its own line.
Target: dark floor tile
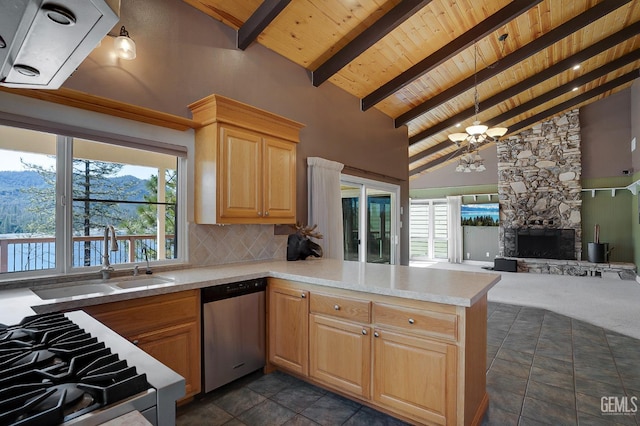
{"x": 510, "y": 368}
{"x": 548, "y": 413}
{"x": 370, "y": 417}
{"x": 525, "y": 421}
{"x": 234, "y": 422}
{"x": 239, "y": 401}
{"x": 198, "y": 413}
{"x": 598, "y": 374}
{"x": 269, "y": 384}
{"x": 506, "y": 383}
{"x": 598, "y": 389}
{"x": 497, "y": 417}
{"x": 492, "y": 350}
{"x": 552, "y": 394}
{"x": 553, "y": 364}
{"x": 297, "y": 398}
{"x": 299, "y": 420}
{"x": 520, "y": 342}
{"x": 331, "y": 410}
{"x": 589, "y": 420}
{"x": 524, "y": 358}
{"x": 504, "y": 400}
{"x": 266, "y": 413}
{"x": 553, "y": 378}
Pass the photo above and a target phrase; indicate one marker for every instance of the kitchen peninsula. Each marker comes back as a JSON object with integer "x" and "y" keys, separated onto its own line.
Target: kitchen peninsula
{"x": 405, "y": 340}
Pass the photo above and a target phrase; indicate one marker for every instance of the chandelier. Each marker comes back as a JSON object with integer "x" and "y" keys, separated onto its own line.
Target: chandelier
{"x": 475, "y": 135}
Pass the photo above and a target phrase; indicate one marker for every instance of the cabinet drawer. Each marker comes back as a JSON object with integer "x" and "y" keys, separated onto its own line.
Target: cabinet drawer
{"x": 437, "y": 324}
{"x": 136, "y": 316}
{"x": 342, "y": 307}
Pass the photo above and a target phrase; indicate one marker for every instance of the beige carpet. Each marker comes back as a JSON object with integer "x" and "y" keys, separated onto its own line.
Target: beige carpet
{"x": 607, "y": 302}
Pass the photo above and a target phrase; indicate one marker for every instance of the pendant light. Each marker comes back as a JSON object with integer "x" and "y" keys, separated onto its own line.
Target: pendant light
{"x": 476, "y": 134}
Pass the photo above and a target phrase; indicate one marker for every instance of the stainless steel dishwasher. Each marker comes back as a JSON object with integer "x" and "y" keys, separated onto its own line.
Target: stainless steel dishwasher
{"x": 233, "y": 331}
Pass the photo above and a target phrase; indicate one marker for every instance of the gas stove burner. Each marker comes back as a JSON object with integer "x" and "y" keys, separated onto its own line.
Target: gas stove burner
{"x": 52, "y": 371}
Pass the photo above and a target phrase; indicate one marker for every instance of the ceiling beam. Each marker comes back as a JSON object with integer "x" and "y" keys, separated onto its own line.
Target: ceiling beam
{"x": 545, "y": 97}
{"x": 545, "y": 114}
{"x": 545, "y": 40}
{"x": 383, "y": 26}
{"x": 258, "y": 21}
{"x": 484, "y": 28}
{"x": 591, "y": 51}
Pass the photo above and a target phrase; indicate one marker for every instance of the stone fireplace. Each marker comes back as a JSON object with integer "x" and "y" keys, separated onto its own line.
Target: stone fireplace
{"x": 539, "y": 190}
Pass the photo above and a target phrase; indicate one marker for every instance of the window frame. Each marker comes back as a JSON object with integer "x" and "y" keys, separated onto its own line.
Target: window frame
{"x": 64, "y": 208}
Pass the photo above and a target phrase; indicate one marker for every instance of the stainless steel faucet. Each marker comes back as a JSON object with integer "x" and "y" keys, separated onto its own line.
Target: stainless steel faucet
{"x": 146, "y": 258}
{"x": 106, "y": 266}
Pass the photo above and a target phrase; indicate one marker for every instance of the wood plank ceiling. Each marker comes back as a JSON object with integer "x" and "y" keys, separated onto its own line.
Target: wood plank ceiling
{"x": 415, "y": 61}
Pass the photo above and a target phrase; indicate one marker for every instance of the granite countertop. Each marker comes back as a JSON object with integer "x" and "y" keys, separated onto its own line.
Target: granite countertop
{"x": 426, "y": 284}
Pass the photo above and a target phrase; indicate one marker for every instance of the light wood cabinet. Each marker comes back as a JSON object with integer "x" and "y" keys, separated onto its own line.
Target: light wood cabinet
{"x": 414, "y": 376}
{"x": 245, "y": 164}
{"x": 423, "y": 362}
{"x": 340, "y": 342}
{"x": 340, "y": 354}
{"x": 288, "y": 327}
{"x": 166, "y": 326}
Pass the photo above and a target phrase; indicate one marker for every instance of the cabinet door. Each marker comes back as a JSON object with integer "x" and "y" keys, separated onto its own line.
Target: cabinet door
{"x": 340, "y": 354}
{"x": 239, "y": 194}
{"x": 279, "y": 184}
{"x": 415, "y": 376}
{"x": 177, "y": 348}
{"x": 289, "y": 329}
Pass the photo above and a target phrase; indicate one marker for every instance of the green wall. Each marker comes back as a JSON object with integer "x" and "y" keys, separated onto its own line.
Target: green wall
{"x": 635, "y": 223}
{"x": 614, "y": 214}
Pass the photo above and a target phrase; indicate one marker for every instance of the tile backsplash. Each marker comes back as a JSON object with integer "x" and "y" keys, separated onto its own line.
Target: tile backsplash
{"x": 219, "y": 244}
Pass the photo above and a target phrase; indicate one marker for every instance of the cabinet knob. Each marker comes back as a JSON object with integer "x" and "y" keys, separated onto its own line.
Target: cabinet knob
{"x": 336, "y": 307}
{"x": 411, "y": 321}
{"x": 303, "y": 295}
{"x": 135, "y": 342}
{"x": 266, "y": 213}
{"x": 364, "y": 332}
{"x": 375, "y": 334}
{"x": 259, "y": 213}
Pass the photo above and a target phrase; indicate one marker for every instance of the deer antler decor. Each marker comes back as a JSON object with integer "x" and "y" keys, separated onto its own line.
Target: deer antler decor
{"x": 306, "y": 231}
{"x": 299, "y": 246}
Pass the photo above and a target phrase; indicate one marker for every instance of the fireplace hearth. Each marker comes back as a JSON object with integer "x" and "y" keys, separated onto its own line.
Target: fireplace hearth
{"x": 540, "y": 243}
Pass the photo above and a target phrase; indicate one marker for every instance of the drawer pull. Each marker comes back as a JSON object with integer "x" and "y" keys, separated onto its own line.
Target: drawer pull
{"x": 336, "y": 307}
{"x": 375, "y": 334}
{"x": 411, "y": 321}
{"x": 303, "y": 295}
{"x": 364, "y": 332}
{"x": 135, "y": 342}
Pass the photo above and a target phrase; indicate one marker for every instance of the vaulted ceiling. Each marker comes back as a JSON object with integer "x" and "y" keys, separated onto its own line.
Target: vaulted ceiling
{"x": 416, "y": 60}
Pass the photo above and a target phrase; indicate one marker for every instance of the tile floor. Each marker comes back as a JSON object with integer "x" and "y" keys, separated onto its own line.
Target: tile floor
{"x": 542, "y": 368}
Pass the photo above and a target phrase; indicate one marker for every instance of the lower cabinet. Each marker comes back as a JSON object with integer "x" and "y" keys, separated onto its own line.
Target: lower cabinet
{"x": 340, "y": 354}
{"x": 167, "y": 327}
{"x": 414, "y": 376}
{"x": 423, "y": 362}
{"x": 288, "y": 327}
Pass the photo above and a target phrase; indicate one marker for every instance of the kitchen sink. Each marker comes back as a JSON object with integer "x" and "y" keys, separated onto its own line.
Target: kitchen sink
{"x": 73, "y": 290}
{"x": 140, "y": 282}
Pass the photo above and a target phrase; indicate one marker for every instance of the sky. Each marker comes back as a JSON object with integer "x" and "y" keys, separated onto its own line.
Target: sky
{"x": 10, "y": 161}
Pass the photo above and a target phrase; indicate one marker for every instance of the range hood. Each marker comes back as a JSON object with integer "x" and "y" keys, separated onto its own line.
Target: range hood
{"x": 42, "y": 42}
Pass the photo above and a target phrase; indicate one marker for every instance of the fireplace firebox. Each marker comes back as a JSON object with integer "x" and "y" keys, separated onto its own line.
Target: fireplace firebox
{"x": 540, "y": 243}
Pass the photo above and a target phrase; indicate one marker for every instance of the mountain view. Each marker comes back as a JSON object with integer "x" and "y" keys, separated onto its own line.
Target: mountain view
{"x": 16, "y": 198}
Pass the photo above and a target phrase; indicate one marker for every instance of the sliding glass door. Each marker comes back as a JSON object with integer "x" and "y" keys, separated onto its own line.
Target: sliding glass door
{"x": 370, "y": 220}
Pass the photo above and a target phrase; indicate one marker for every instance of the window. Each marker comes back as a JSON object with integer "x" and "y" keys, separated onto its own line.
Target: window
{"x": 95, "y": 185}
{"x": 428, "y": 227}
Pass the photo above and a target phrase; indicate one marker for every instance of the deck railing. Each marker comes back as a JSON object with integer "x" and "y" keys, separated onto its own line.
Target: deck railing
{"x": 19, "y": 254}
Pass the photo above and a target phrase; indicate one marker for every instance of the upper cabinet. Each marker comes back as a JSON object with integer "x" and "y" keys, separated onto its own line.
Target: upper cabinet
{"x": 245, "y": 163}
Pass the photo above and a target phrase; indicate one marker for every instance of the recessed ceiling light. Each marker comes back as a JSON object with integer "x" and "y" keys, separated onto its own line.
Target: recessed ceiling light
{"x": 574, "y": 89}
{"x": 457, "y": 124}
{"x": 576, "y": 67}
